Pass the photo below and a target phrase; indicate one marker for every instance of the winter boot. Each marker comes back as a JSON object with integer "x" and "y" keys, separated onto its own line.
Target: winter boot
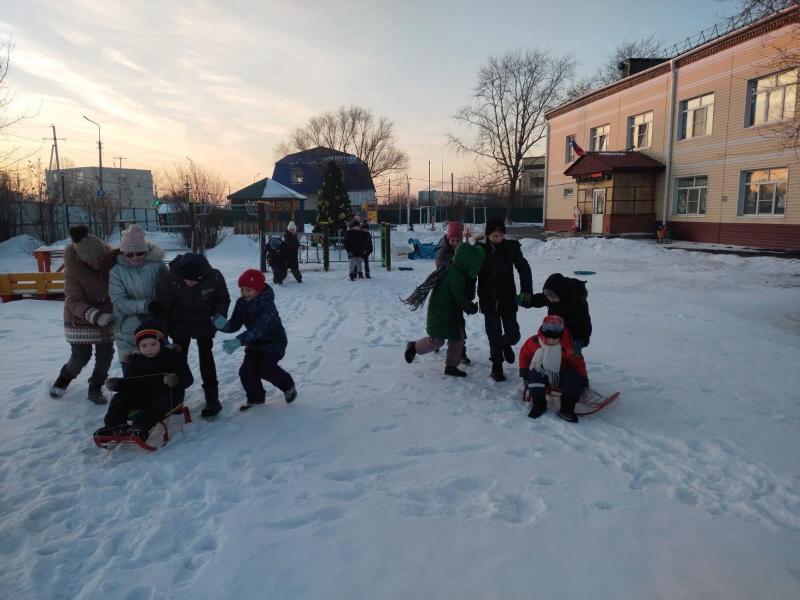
{"x": 454, "y": 371}
{"x": 213, "y": 406}
{"x": 464, "y": 358}
{"x": 352, "y": 276}
{"x": 121, "y": 429}
{"x": 497, "y": 372}
{"x": 59, "y": 387}
{"x": 140, "y": 432}
{"x": 411, "y": 352}
{"x": 538, "y": 406}
{"x": 290, "y": 395}
{"x": 96, "y": 394}
{"x": 567, "y": 410}
{"x": 367, "y": 276}
{"x": 360, "y": 275}
{"x": 508, "y": 354}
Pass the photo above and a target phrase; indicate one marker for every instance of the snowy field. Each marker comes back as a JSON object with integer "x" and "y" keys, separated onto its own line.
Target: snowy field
{"x": 389, "y": 481}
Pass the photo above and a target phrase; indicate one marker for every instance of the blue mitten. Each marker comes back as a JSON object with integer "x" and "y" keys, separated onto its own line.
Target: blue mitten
{"x": 219, "y": 322}
{"x": 230, "y": 346}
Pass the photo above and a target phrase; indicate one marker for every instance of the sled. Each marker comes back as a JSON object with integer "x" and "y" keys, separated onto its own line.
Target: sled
{"x": 103, "y": 441}
{"x": 591, "y": 401}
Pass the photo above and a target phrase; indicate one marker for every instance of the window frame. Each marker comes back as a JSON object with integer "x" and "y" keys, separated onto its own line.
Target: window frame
{"x": 569, "y": 150}
{"x": 689, "y": 189}
{"x": 593, "y": 137}
{"x": 774, "y": 182}
{"x": 632, "y": 134}
{"x": 295, "y": 179}
{"x": 752, "y": 98}
{"x": 685, "y": 112}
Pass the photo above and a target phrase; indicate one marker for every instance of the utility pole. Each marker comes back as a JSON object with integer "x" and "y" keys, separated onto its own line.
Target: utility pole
{"x": 119, "y": 181}
{"x": 121, "y": 158}
{"x": 408, "y": 202}
{"x": 60, "y": 176}
{"x": 100, "y": 192}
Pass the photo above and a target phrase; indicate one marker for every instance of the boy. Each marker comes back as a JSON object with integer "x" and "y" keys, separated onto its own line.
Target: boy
{"x": 276, "y": 260}
{"x": 290, "y": 251}
{"x": 264, "y": 341}
{"x": 196, "y": 293}
{"x": 354, "y": 244}
{"x": 549, "y": 358}
{"x": 367, "y": 247}
{"x": 155, "y": 383}
{"x": 567, "y": 298}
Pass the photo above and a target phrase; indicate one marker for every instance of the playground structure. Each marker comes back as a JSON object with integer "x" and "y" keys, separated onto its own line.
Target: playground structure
{"x": 41, "y": 286}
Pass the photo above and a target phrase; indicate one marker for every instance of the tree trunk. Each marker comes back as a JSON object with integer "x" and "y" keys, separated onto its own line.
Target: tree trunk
{"x": 512, "y": 198}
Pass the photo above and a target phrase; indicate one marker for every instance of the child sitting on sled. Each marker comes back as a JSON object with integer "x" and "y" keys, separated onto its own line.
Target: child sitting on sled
{"x": 156, "y": 381}
{"x": 549, "y": 359}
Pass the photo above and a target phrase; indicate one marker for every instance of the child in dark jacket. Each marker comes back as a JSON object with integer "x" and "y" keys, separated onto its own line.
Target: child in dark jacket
{"x": 354, "y": 245}
{"x": 367, "y": 247}
{"x": 549, "y": 359}
{"x": 264, "y": 340}
{"x": 567, "y": 298}
{"x": 276, "y": 259}
{"x": 155, "y": 383}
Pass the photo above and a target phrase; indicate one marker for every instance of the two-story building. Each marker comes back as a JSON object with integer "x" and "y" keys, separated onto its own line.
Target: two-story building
{"x": 696, "y": 142}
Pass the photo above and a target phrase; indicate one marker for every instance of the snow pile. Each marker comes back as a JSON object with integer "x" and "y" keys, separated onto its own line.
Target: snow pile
{"x": 387, "y": 480}
{"x": 16, "y": 254}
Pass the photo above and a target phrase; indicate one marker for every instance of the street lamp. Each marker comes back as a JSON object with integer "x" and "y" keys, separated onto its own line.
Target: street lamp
{"x": 256, "y": 176}
{"x": 100, "y": 192}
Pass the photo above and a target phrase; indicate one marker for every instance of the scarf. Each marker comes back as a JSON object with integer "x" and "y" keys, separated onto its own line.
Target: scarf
{"x": 547, "y": 361}
{"x": 420, "y": 294}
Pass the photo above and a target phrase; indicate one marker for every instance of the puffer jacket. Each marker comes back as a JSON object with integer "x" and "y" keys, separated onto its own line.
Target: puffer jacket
{"x": 189, "y": 310}
{"x": 265, "y": 332}
{"x": 86, "y": 288}
{"x": 444, "y": 253}
{"x": 497, "y": 290}
{"x": 290, "y": 249}
{"x": 572, "y": 305}
{"x": 454, "y": 294}
{"x": 131, "y": 289}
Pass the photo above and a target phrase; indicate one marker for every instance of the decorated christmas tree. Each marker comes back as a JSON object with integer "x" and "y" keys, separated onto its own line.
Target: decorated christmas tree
{"x": 333, "y": 204}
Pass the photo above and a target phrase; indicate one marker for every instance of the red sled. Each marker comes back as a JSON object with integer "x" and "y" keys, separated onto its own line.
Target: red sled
{"x": 102, "y": 441}
{"x": 591, "y": 401}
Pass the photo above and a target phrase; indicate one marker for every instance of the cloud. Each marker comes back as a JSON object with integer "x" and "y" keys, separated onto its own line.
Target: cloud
{"x": 119, "y": 58}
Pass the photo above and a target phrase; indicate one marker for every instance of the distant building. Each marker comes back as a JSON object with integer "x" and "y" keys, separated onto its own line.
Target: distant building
{"x": 531, "y": 186}
{"x": 304, "y": 172}
{"x": 444, "y": 198}
{"x": 128, "y": 188}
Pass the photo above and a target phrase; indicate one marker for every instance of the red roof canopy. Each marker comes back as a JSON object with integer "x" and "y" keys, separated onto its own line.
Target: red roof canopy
{"x": 593, "y": 163}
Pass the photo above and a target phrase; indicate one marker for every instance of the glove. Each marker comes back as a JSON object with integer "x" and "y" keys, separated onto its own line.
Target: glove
{"x": 154, "y": 307}
{"x": 172, "y": 380}
{"x": 525, "y": 300}
{"x": 91, "y": 315}
{"x": 104, "y": 319}
{"x": 113, "y": 384}
{"x": 219, "y": 322}
{"x": 230, "y": 346}
{"x": 472, "y": 308}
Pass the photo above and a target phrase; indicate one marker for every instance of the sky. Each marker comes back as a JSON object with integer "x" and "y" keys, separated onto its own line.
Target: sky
{"x": 224, "y": 82}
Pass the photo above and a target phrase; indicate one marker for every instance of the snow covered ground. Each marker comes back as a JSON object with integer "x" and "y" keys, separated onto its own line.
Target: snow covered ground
{"x": 386, "y": 480}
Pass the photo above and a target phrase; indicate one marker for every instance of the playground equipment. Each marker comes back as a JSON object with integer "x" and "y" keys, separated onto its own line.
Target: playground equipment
{"x": 42, "y": 286}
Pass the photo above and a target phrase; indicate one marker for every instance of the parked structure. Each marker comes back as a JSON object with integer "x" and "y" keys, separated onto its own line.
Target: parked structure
{"x": 693, "y": 142}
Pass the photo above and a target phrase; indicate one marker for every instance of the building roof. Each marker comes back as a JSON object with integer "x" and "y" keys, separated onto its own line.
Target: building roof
{"x": 772, "y": 22}
{"x": 613, "y": 162}
{"x": 266, "y": 189}
{"x": 314, "y": 163}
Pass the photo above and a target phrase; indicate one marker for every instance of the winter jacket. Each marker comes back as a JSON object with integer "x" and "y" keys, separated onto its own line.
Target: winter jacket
{"x": 354, "y": 243}
{"x": 142, "y": 372}
{"x": 189, "y": 310}
{"x": 85, "y": 289}
{"x": 454, "y": 294}
{"x": 497, "y": 290}
{"x": 131, "y": 289}
{"x": 290, "y": 249}
{"x": 568, "y": 356}
{"x": 572, "y": 305}
{"x": 265, "y": 332}
{"x": 444, "y": 253}
{"x": 367, "y": 247}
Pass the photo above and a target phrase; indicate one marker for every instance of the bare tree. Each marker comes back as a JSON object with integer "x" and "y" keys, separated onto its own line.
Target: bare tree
{"x": 354, "y": 130}
{"x": 752, "y": 10}
{"x": 513, "y": 93}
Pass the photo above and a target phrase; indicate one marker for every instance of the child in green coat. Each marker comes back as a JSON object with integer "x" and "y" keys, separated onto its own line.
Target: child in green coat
{"x": 451, "y": 297}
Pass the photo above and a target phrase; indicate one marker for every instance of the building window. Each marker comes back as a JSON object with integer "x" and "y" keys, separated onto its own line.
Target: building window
{"x": 772, "y": 98}
{"x": 764, "y": 191}
{"x": 568, "y": 192}
{"x": 640, "y": 129}
{"x": 692, "y": 193}
{"x": 598, "y": 138}
{"x": 697, "y": 117}
{"x": 569, "y": 151}
{"x": 297, "y": 175}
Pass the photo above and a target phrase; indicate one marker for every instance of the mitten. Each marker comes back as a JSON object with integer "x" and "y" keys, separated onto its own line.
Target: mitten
{"x": 525, "y": 300}
{"x": 171, "y": 380}
{"x": 104, "y": 319}
{"x": 219, "y": 322}
{"x": 91, "y": 315}
{"x": 154, "y": 307}
{"x": 230, "y": 346}
{"x": 113, "y": 384}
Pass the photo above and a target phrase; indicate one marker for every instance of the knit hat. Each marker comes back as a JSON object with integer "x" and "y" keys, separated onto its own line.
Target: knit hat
{"x": 552, "y": 326}
{"x": 291, "y": 226}
{"x": 132, "y": 240}
{"x": 88, "y": 247}
{"x": 149, "y": 329}
{"x": 190, "y": 270}
{"x": 253, "y": 278}
{"x": 495, "y": 224}
{"x": 455, "y": 230}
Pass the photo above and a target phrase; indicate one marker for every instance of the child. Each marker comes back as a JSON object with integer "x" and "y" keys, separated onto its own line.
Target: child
{"x": 549, "y": 358}
{"x": 155, "y": 382}
{"x": 276, "y": 260}
{"x": 354, "y": 244}
{"x": 290, "y": 251}
{"x": 264, "y": 341}
{"x": 451, "y": 297}
{"x": 445, "y": 252}
{"x": 367, "y": 248}
{"x": 567, "y": 298}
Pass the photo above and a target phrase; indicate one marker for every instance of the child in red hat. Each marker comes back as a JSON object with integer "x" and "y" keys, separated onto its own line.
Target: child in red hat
{"x": 549, "y": 359}
{"x": 264, "y": 340}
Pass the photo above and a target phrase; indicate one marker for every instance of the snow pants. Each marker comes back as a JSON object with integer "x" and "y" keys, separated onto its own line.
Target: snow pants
{"x": 502, "y": 329}
{"x": 151, "y": 402}
{"x": 208, "y": 368}
{"x": 356, "y": 266}
{"x": 570, "y": 382}
{"x": 260, "y": 365}
{"x": 455, "y": 349}
{"x": 80, "y": 356}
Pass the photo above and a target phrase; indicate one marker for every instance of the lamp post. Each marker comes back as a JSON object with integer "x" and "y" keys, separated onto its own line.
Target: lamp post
{"x": 256, "y": 176}
{"x": 100, "y": 192}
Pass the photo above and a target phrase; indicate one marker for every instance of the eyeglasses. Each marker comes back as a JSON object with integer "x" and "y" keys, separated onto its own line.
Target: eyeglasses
{"x": 552, "y": 334}
{"x": 132, "y": 254}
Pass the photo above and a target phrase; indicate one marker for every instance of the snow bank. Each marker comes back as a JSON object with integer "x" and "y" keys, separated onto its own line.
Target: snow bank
{"x": 16, "y": 254}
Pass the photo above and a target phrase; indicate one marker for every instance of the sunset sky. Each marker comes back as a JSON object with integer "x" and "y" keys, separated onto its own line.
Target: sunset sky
{"x": 223, "y": 82}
